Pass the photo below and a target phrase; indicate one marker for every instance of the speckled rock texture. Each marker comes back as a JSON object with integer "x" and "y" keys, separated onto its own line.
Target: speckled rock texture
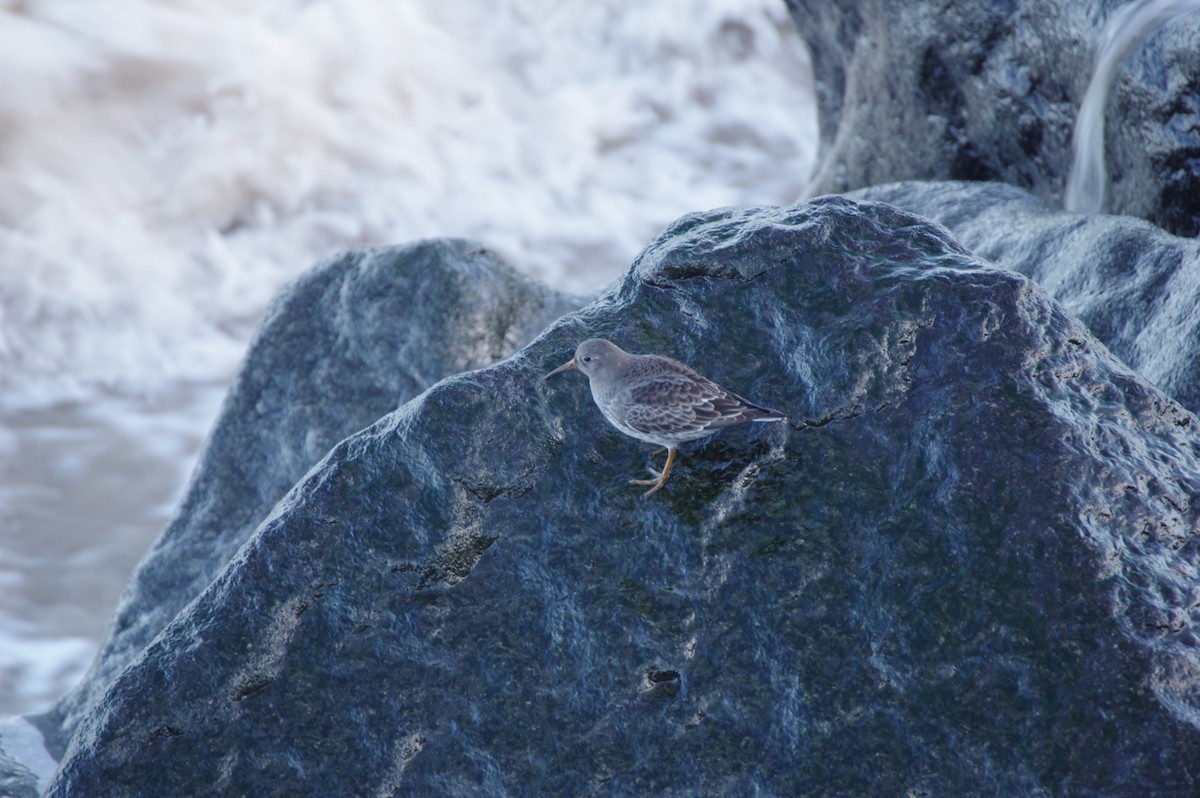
{"x": 1134, "y": 286}
{"x": 345, "y": 344}
{"x": 16, "y": 780}
{"x": 967, "y": 564}
{"x": 970, "y": 90}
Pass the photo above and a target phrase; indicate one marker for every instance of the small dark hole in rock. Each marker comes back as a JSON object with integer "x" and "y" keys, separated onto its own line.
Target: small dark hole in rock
{"x": 663, "y": 683}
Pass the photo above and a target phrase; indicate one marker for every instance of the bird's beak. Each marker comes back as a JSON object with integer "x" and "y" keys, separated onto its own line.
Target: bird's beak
{"x": 570, "y": 365}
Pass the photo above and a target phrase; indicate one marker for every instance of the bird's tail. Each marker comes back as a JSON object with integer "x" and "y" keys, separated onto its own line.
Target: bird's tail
{"x": 767, "y": 414}
{"x": 753, "y": 412}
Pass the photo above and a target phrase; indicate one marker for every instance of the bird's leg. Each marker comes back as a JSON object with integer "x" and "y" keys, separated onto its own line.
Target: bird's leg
{"x": 656, "y": 474}
{"x": 660, "y": 477}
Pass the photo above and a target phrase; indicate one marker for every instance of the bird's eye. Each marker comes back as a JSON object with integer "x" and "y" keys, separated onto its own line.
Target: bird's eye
{"x": 587, "y": 359}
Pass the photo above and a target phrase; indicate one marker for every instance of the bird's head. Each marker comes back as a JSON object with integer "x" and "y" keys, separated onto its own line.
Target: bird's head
{"x": 593, "y": 356}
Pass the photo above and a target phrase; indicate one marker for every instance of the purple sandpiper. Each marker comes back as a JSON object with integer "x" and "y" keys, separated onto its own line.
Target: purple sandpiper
{"x": 658, "y": 400}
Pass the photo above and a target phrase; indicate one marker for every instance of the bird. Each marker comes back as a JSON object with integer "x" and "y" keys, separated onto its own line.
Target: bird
{"x": 658, "y": 400}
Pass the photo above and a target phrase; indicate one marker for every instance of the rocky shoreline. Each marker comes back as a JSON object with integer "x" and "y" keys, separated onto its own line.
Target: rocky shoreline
{"x": 969, "y": 562}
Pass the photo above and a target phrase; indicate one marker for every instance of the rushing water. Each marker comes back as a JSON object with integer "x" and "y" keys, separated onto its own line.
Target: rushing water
{"x": 1124, "y": 30}
{"x": 166, "y": 166}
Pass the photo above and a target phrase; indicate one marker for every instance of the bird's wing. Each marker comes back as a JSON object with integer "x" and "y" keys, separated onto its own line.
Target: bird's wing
{"x": 678, "y": 403}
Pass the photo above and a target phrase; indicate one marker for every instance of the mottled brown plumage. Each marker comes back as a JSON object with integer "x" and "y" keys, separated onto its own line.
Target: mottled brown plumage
{"x": 658, "y": 400}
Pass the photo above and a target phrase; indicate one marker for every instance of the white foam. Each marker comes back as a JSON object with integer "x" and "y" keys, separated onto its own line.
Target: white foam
{"x": 166, "y": 165}
{"x": 1126, "y": 28}
{"x": 39, "y": 668}
{"x": 21, "y": 741}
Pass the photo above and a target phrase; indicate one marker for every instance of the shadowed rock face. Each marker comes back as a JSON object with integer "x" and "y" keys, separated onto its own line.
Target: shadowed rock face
{"x": 16, "y": 780}
{"x": 1153, "y": 131}
{"x": 990, "y": 91}
{"x": 345, "y": 344}
{"x": 967, "y": 564}
{"x": 1134, "y": 286}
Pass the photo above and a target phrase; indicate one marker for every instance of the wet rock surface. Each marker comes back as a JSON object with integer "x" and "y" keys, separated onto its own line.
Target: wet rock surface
{"x": 348, "y": 342}
{"x": 1134, "y": 286}
{"x": 16, "y": 780}
{"x": 1153, "y": 131}
{"x": 967, "y": 563}
{"x": 990, "y": 91}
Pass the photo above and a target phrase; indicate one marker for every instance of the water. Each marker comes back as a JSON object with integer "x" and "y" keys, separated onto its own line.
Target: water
{"x": 85, "y": 487}
{"x": 166, "y": 166}
{"x": 1125, "y": 29}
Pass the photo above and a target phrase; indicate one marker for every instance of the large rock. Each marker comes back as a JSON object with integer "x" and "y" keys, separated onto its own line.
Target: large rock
{"x": 350, "y": 341}
{"x": 1152, "y": 131}
{"x": 1136, "y": 287}
{"x": 966, "y": 565}
{"x": 990, "y": 91}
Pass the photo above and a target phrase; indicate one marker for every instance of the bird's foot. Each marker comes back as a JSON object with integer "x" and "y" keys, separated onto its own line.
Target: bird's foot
{"x": 658, "y": 477}
{"x": 657, "y": 482}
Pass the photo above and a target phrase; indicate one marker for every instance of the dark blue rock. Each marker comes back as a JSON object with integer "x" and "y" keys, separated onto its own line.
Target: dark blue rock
{"x": 966, "y": 565}
{"x": 350, "y": 341}
{"x": 1152, "y": 131}
{"x": 1136, "y": 287}
{"x": 968, "y": 90}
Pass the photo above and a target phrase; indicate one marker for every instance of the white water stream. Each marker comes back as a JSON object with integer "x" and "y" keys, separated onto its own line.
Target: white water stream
{"x": 1122, "y": 32}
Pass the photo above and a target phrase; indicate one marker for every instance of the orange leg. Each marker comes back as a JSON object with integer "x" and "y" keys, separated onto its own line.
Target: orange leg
{"x": 660, "y": 478}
